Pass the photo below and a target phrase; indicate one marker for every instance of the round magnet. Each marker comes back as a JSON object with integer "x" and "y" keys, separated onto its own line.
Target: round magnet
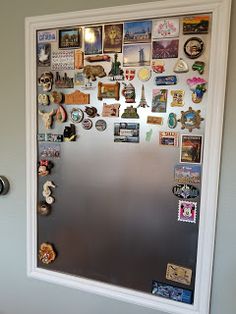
{"x": 4, "y": 185}
{"x": 193, "y": 47}
{"x": 101, "y": 125}
{"x": 76, "y": 115}
{"x": 144, "y": 74}
{"x": 44, "y": 209}
{"x": 87, "y": 124}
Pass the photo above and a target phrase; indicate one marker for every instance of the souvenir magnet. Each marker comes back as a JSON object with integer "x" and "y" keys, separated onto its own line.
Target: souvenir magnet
{"x": 126, "y": 132}
{"x": 76, "y": 115}
{"x": 79, "y": 79}
{"x": 44, "y": 54}
{"x": 130, "y": 74}
{"x": 111, "y": 110}
{"x": 63, "y": 60}
{"x": 159, "y": 100}
{"x": 61, "y": 115}
{"x": 193, "y": 47}
{"x": 149, "y": 135}
{"x": 154, "y": 120}
{"x": 143, "y": 102}
{"x": 43, "y": 99}
{"x": 171, "y": 292}
{"x": 108, "y": 90}
{"x": 93, "y": 40}
{"x": 47, "y": 36}
{"x": 77, "y": 97}
{"x": 79, "y": 59}
{"x": 144, "y": 74}
{"x": 49, "y": 150}
{"x": 129, "y": 93}
{"x": 69, "y": 133}
{"x": 47, "y": 192}
{"x": 138, "y": 31}
{"x": 172, "y": 120}
{"x": 168, "y": 138}
{"x": 178, "y": 98}
{"x": 198, "y": 87}
{"x": 113, "y": 35}
{"x": 56, "y": 97}
{"x": 46, "y": 253}
{"x": 64, "y": 81}
{"x": 94, "y": 71}
{"x": 185, "y": 191}
{"x": 87, "y": 124}
{"x": 46, "y": 81}
{"x": 98, "y": 58}
{"x": 47, "y": 118}
{"x": 4, "y": 185}
{"x": 163, "y": 28}
{"x": 137, "y": 55}
{"x": 191, "y": 148}
{"x": 196, "y": 24}
{"x": 166, "y": 80}
{"x": 70, "y": 38}
{"x": 179, "y": 274}
{"x": 158, "y": 66}
{"x": 187, "y": 174}
{"x": 165, "y": 48}
{"x": 49, "y": 137}
{"x": 44, "y": 167}
{"x": 101, "y": 125}
{"x": 199, "y": 66}
{"x": 190, "y": 119}
{"x": 44, "y": 209}
{"x": 181, "y": 66}
{"x": 91, "y": 111}
{"x": 130, "y": 113}
{"x": 116, "y": 73}
{"x": 187, "y": 211}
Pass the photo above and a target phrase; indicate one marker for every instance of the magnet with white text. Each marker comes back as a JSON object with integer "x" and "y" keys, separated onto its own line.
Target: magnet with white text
{"x": 116, "y": 73}
{"x": 178, "y": 98}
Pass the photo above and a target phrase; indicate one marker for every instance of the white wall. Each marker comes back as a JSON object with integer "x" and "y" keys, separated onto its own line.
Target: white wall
{"x": 20, "y": 295}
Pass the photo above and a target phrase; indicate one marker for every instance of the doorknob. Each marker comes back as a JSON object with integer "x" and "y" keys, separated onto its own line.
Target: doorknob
{"x": 4, "y": 185}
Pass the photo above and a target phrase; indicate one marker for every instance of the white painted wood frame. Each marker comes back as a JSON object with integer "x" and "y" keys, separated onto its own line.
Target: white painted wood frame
{"x": 220, "y": 10}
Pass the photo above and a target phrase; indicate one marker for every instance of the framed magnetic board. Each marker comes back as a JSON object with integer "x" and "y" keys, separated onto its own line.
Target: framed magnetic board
{"x": 124, "y": 110}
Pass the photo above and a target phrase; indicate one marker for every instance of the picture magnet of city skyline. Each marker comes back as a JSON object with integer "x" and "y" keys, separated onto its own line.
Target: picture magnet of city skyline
{"x": 165, "y": 49}
{"x": 164, "y": 28}
{"x": 70, "y": 38}
{"x": 93, "y": 40}
{"x": 197, "y": 24}
{"x": 135, "y": 32}
{"x": 113, "y": 35}
{"x": 136, "y": 55}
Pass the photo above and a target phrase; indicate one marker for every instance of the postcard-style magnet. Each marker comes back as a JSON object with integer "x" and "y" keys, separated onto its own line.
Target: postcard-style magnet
{"x": 87, "y": 124}
{"x": 168, "y": 138}
{"x": 93, "y": 71}
{"x": 108, "y": 90}
{"x": 91, "y": 111}
{"x": 196, "y": 24}
{"x": 46, "y": 81}
{"x": 199, "y": 66}
{"x": 194, "y": 47}
{"x": 70, "y": 38}
{"x": 185, "y": 191}
{"x": 46, "y": 253}
{"x": 110, "y": 110}
{"x": 116, "y": 73}
{"x": 137, "y": 55}
{"x": 137, "y": 32}
{"x": 163, "y": 28}
{"x": 179, "y": 274}
{"x": 158, "y": 66}
{"x": 101, "y": 125}
{"x": 43, "y": 99}
{"x": 126, "y": 132}
{"x": 187, "y": 174}
{"x": 130, "y": 74}
{"x": 44, "y": 167}
{"x": 93, "y": 40}
{"x": 178, "y": 98}
{"x": 63, "y": 60}
{"x": 79, "y": 79}
{"x": 69, "y": 133}
{"x": 44, "y": 209}
{"x": 44, "y": 54}
{"x": 172, "y": 120}
{"x": 129, "y": 93}
{"x": 166, "y": 80}
{"x": 77, "y": 97}
{"x": 181, "y": 66}
{"x": 159, "y": 100}
{"x": 154, "y": 120}
{"x": 172, "y": 292}
{"x": 56, "y": 97}
{"x": 76, "y": 115}
{"x": 144, "y": 74}
{"x": 190, "y": 119}
{"x": 79, "y": 59}
{"x": 165, "y": 49}
{"x": 143, "y": 102}
{"x": 130, "y": 113}
{"x": 113, "y": 35}
{"x": 187, "y": 211}
{"x": 47, "y": 36}
{"x": 48, "y": 185}
{"x": 198, "y": 87}
{"x": 47, "y": 118}
{"x": 191, "y": 149}
{"x": 61, "y": 114}
{"x": 64, "y": 81}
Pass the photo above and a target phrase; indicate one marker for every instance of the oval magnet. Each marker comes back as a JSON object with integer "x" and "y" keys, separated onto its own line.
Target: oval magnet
{"x": 193, "y": 47}
{"x": 185, "y": 191}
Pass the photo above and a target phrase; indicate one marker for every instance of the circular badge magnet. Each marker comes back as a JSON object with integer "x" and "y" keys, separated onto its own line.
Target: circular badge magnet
{"x": 4, "y": 185}
{"x": 144, "y": 74}
{"x": 76, "y": 115}
{"x": 101, "y": 125}
{"x": 87, "y": 124}
{"x": 193, "y": 47}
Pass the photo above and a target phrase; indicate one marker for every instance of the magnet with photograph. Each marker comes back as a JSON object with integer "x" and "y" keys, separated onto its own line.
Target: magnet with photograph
{"x": 137, "y": 32}
{"x": 113, "y": 36}
{"x": 191, "y": 149}
{"x": 70, "y": 38}
{"x": 93, "y": 40}
{"x": 187, "y": 174}
{"x": 126, "y": 132}
{"x": 44, "y": 55}
{"x": 163, "y": 28}
{"x": 165, "y": 49}
{"x": 159, "y": 100}
{"x": 167, "y": 138}
{"x": 136, "y": 55}
{"x": 196, "y": 24}
{"x": 190, "y": 119}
